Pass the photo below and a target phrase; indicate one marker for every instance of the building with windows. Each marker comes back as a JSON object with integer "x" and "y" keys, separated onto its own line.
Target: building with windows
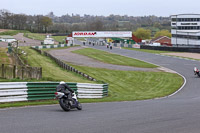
{"x": 185, "y": 30}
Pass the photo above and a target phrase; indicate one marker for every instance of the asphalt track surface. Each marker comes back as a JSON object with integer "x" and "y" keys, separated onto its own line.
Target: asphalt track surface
{"x": 68, "y": 56}
{"x": 179, "y": 113}
{"x": 23, "y": 41}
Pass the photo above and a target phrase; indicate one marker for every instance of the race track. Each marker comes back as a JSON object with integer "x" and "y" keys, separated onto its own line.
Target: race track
{"x": 179, "y": 113}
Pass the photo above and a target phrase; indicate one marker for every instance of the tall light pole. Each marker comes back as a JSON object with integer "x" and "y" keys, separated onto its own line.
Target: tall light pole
{"x": 188, "y": 38}
{"x": 176, "y": 30}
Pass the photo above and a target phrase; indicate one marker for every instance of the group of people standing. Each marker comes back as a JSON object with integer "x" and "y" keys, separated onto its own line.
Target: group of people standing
{"x": 109, "y": 46}
{"x": 89, "y": 43}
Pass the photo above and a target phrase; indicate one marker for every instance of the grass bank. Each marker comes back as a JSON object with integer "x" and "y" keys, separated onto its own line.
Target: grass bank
{"x": 13, "y": 32}
{"x": 28, "y": 103}
{"x": 110, "y": 58}
{"x": 4, "y": 59}
{"x": 59, "y": 38}
{"x": 41, "y": 37}
{"x": 35, "y": 36}
{"x": 50, "y": 70}
{"x": 134, "y": 85}
{"x": 81, "y": 38}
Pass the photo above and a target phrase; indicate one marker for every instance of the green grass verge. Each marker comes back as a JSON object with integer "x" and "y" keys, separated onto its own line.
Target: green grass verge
{"x": 20, "y": 80}
{"x": 4, "y": 59}
{"x": 41, "y": 37}
{"x": 110, "y": 58}
{"x": 27, "y": 103}
{"x": 59, "y": 38}
{"x": 35, "y": 36}
{"x": 133, "y": 85}
{"x": 13, "y": 32}
{"x": 148, "y": 51}
{"x": 80, "y": 38}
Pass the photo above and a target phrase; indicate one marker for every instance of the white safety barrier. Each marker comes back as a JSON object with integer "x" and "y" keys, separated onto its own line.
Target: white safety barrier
{"x": 50, "y": 46}
{"x": 92, "y": 90}
{"x": 13, "y": 91}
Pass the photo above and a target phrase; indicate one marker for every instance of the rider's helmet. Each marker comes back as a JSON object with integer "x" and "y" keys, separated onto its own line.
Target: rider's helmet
{"x": 62, "y": 82}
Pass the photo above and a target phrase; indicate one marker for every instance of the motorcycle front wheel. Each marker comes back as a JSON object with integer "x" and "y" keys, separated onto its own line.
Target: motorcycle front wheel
{"x": 79, "y": 106}
{"x": 64, "y": 104}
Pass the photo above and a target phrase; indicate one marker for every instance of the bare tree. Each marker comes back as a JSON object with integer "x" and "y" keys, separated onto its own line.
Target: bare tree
{"x": 4, "y": 18}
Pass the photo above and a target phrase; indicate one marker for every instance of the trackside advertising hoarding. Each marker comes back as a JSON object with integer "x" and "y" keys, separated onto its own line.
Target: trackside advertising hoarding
{"x": 102, "y": 33}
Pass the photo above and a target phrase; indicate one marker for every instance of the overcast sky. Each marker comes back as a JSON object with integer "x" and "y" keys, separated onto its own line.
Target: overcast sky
{"x": 102, "y": 7}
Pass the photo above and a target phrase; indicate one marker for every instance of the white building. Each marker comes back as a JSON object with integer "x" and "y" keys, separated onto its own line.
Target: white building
{"x": 7, "y": 39}
{"x": 185, "y": 30}
{"x": 48, "y": 40}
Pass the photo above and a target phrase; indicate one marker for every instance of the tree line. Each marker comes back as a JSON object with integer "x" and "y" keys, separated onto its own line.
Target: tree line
{"x": 36, "y": 23}
{"x": 51, "y": 23}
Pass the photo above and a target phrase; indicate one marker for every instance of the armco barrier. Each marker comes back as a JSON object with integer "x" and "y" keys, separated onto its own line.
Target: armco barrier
{"x": 13, "y": 91}
{"x": 44, "y": 90}
{"x": 92, "y": 90}
{"x": 50, "y": 46}
{"x": 27, "y": 91}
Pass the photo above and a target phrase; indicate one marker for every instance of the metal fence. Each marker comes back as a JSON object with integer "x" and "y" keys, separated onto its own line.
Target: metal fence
{"x": 64, "y": 65}
{"x": 22, "y": 72}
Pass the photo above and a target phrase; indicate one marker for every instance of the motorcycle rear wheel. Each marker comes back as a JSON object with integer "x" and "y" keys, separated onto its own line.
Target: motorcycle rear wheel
{"x": 64, "y": 104}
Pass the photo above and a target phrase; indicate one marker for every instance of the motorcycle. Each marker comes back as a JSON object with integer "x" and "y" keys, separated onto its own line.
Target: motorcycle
{"x": 196, "y": 72}
{"x": 67, "y": 104}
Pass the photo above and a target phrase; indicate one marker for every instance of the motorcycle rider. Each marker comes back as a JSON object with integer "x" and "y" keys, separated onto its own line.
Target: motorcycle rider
{"x": 64, "y": 88}
{"x": 196, "y": 71}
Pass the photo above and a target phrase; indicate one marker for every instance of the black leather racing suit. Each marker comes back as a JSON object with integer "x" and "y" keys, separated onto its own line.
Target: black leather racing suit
{"x": 65, "y": 89}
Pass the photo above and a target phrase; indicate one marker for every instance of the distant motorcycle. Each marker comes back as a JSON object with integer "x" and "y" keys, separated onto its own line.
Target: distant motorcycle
{"x": 196, "y": 72}
{"x": 67, "y": 104}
